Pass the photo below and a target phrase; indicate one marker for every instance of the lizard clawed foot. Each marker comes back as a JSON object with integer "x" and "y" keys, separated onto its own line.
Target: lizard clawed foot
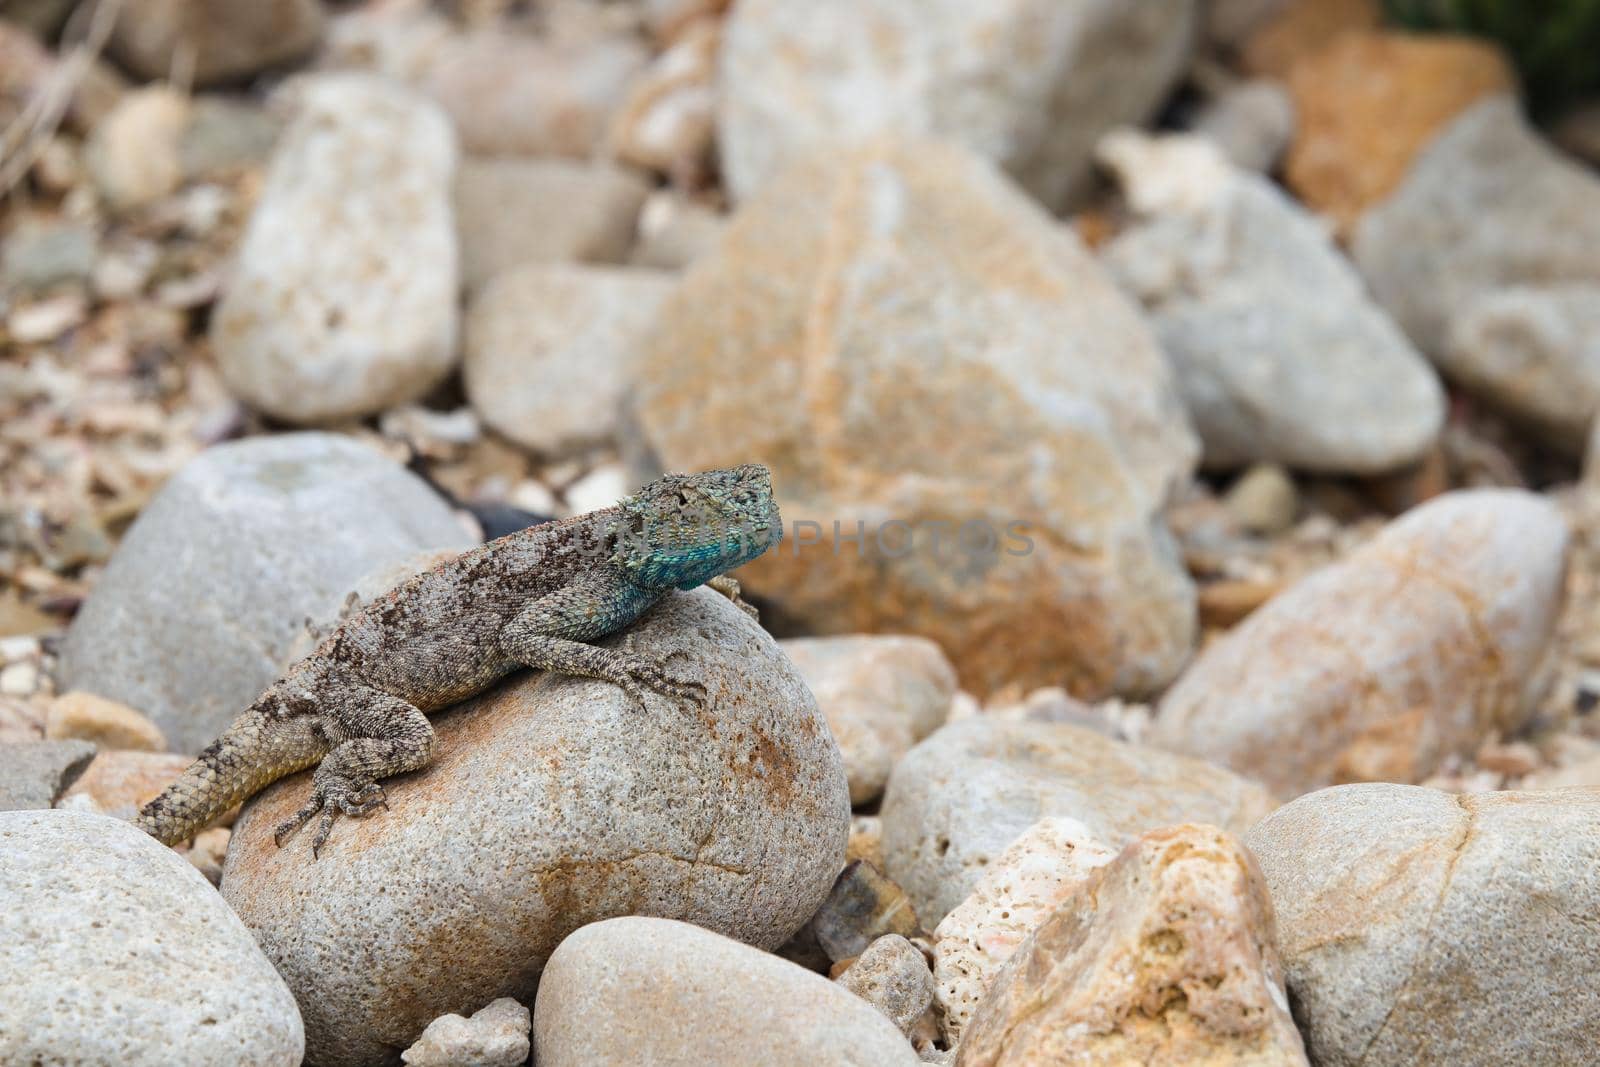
{"x": 652, "y": 674}
{"x": 729, "y": 587}
{"x": 332, "y": 798}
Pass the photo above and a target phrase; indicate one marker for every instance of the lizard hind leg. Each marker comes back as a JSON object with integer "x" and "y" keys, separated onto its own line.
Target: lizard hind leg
{"x": 394, "y": 737}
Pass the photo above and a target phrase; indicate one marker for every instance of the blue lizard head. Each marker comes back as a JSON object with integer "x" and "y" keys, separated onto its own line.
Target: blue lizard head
{"x": 684, "y": 529}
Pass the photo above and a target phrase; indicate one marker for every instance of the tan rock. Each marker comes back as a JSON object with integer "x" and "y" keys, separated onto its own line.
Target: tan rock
{"x": 1036, "y": 874}
{"x": 1167, "y": 955}
{"x": 211, "y": 41}
{"x": 893, "y": 977}
{"x": 1419, "y": 644}
{"x": 667, "y": 122}
{"x": 133, "y": 152}
{"x": 863, "y": 906}
{"x": 495, "y": 1036}
{"x": 108, "y": 723}
{"x": 912, "y": 346}
{"x": 881, "y": 695}
{"x": 1430, "y": 929}
{"x": 1299, "y": 29}
{"x": 1369, "y": 103}
{"x": 960, "y": 798}
{"x": 120, "y": 783}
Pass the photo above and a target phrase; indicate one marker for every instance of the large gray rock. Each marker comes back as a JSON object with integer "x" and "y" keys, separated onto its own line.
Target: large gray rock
{"x": 638, "y": 990}
{"x": 1280, "y": 354}
{"x": 343, "y": 299}
{"x": 1489, "y": 256}
{"x": 551, "y": 349}
{"x": 214, "y": 41}
{"x": 200, "y": 607}
{"x": 113, "y": 949}
{"x": 569, "y": 806}
{"x": 957, "y": 800}
{"x": 1029, "y": 84}
{"x": 34, "y": 773}
{"x": 1420, "y": 928}
{"x": 1418, "y": 645}
{"x": 970, "y": 429}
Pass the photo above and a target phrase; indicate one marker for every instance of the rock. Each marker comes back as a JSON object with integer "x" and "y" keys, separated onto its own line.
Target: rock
{"x": 41, "y": 253}
{"x": 893, "y": 977}
{"x": 839, "y": 333}
{"x": 863, "y": 906}
{"x": 575, "y": 808}
{"x": 207, "y": 852}
{"x": 196, "y": 612}
{"x": 1252, "y": 122}
{"x": 1280, "y": 354}
{"x": 1028, "y": 84}
{"x": 1399, "y": 907}
{"x": 106, "y": 723}
{"x": 512, "y": 212}
{"x": 495, "y": 1036}
{"x": 674, "y": 233}
{"x": 1167, "y": 955}
{"x": 133, "y": 153}
{"x": 1263, "y": 500}
{"x": 343, "y": 298}
{"x": 881, "y": 695}
{"x": 214, "y": 41}
{"x": 1417, "y": 645}
{"x": 866, "y": 840}
{"x": 34, "y": 773}
{"x": 667, "y": 122}
{"x": 114, "y": 950}
{"x": 119, "y": 783}
{"x": 1578, "y": 132}
{"x": 551, "y": 349}
{"x": 1369, "y": 102}
{"x": 694, "y": 999}
{"x": 961, "y": 797}
{"x": 1229, "y": 23}
{"x": 1273, "y": 46}
{"x": 226, "y": 134}
{"x": 1036, "y": 874}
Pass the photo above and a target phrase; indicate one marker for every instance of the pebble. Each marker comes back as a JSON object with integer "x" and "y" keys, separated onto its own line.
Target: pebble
{"x": 1166, "y": 955}
{"x": 19, "y": 679}
{"x": 214, "y": 41}
{"x": 863, "y": 906}
{"x": 1036, "y": 874}
{"x": 495, "y": 1036}
{"x": 133, "y": 153}
{"x": 1029, "y": 84}
{"x": 1417, "y": 645}
{"x": 599, "y": 488}
{"x": 673, "y": 232}
{"x": 107, "y": 723}
{"x": 1429, "y": 928}
{"x": 1279, "y": 352}
{"x": 34, "y": 773}
{"x": 1078, "y": 435}
{"x": 113, "y": 949}
{"x": 880, "y": 694}
{"x": 343, "y": 297}
{"x": 39, "y": 254}
{"x": 550, "y": 349}
{"x": 198, "y": 610}
{"x": 696, "y": 999}
{"x": 893, "y": 977}
{"x": 574, "y": 807}
{"x": 45, "y": 320}
{"x": 513, "y": 212}
{"x": 1252, "y": 122}
{"x": 1263, "y": 500}
{"x": 960, "y": 798}
{"x": 666, "y": 124}
{"x": 118, "y": 782}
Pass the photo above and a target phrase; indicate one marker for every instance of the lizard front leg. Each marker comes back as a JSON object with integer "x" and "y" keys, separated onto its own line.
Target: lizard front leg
{"x": 382, "y": 736}
{"x": 550, "y": 635}
{"x": 729, "y": 587}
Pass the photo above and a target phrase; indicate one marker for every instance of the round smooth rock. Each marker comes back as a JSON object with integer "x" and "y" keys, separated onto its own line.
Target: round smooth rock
{"x": 553, "y": 802}
{"x": 634, "y": 990}
{"x": 201, "y": 605}
{"x": 1418, "y": 645}
{"x": 1426, "y": 928}
{"x": 343, "y": 299}
{"x": 957, "y": 800}
{"x": 113, "y": 949}
{"x": 214, "y": 40}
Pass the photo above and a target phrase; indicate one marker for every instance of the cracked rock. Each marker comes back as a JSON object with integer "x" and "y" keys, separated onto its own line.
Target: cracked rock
{"x": 1423, "y": 928}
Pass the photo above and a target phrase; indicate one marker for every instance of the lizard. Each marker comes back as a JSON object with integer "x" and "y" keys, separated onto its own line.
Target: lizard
{"x": 357, "y": 706}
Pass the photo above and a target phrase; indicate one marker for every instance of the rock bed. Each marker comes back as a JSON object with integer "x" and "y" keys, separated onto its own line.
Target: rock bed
{"x": 1262, "y": 336}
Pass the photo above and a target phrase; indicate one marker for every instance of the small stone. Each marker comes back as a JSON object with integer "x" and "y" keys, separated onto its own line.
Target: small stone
{"x": 673, "y": 233}
{"x": 208, "y": 851}
{"x": 133, "y": 153}
{"x": 1514, "y": 759}
{"x": 38, "y": 254}
{"x": 343, "y": 299}
{"x": 600, "y": 488}
{"x": 863, "y": 906}
{"x": 866, "y": 841}
{"x": 512, "y": 212}
{"x": 495, "y": 1036}
{"x": 34, "y": 773}
{"x": 1367, "y": 104}
{"x": 695, "y": 999}
{"x": 214, "y": 41}
{"x": 666, "y": 123}
{"x": 881, "y": 695}
{"x": 1276, "y": 43}
{"x": 46, "y": 320}
{"x": 107, "y": 723}
{"x": 550, "y": 351}
{"x": 1252, "y": 123}
{"x": 19, "y": 679}
{"x": 225, "y": 135}
{"x": 1036, "y": 874}
{"x": 120, "y": 782}
{"x": 1263, "y": 500}
{"x": 1166, "y": 955}
{"x": 893, "y": 977}
{"x": 1228, "y": 602}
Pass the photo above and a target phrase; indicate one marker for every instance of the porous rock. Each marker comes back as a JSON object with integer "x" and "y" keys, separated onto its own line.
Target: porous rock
{"x": 892, "y": 976}
{"x": 495, "y": 1036}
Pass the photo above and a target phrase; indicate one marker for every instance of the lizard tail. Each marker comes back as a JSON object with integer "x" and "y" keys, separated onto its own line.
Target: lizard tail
{"x": 250, "y": 755}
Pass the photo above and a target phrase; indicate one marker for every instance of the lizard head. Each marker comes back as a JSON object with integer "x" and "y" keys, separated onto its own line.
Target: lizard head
{"x": 684, "y": 529}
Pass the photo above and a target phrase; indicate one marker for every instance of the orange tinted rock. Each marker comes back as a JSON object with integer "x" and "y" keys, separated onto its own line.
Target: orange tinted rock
{"x": 1368, "y": 103}
{"x": 1304, "y": 28}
